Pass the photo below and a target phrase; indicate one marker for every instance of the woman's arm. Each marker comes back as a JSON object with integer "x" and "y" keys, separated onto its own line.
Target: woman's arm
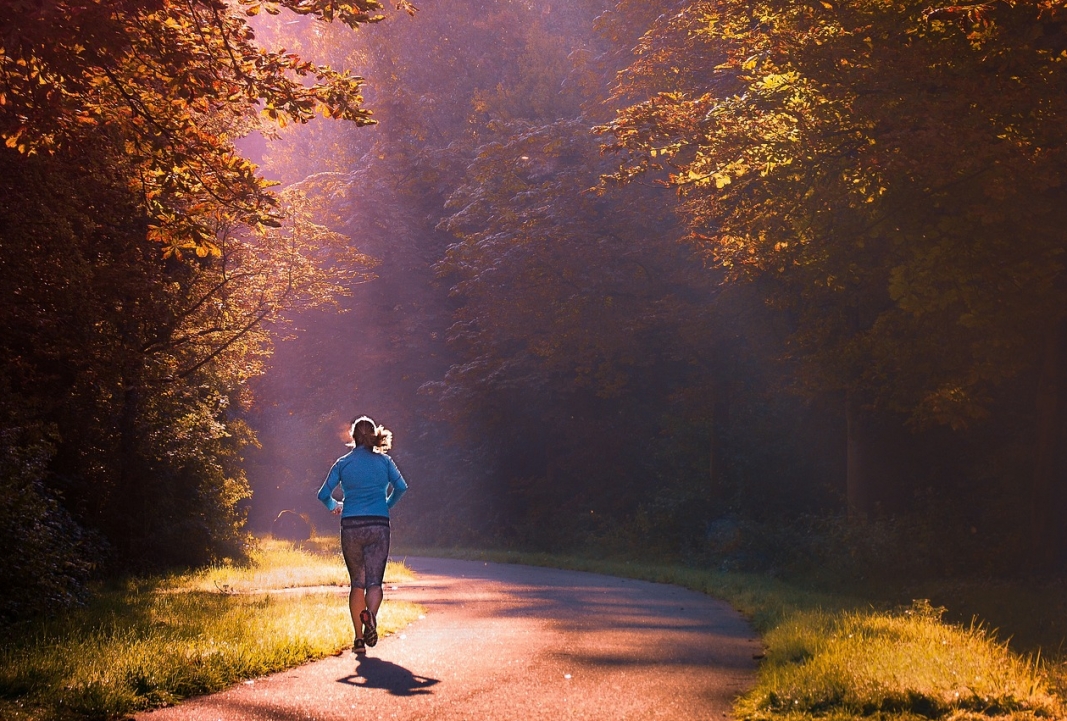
{"x": 326, "y": 492}
{"x": 398, "y": 486}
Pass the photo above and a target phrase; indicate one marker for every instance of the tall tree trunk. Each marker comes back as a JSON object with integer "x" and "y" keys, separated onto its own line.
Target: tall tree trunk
{"x": 1049, "y": 492}
{"x": 130, "y": 498}
{"x": 858, "y": 461}
{"x": 718, "y": 419}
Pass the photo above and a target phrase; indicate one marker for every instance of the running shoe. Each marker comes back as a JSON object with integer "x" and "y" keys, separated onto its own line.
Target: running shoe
{"x": 370, "y": 632}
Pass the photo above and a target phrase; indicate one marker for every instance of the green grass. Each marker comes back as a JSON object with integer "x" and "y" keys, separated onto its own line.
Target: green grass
{"x": 152, "y": 642}
{"x": 832, "y": 655}
{"x": 909, "y": 664}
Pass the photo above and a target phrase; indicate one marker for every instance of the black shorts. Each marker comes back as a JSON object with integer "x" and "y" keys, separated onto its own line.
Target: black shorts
{"x": 365, "y": 545}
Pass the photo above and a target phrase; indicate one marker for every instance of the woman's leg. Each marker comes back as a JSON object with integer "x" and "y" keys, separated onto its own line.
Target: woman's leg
{"x": 356, "y": 603}
{"x": 375, "y": 555}
{"x": 352, "y": 547}
{"x": 374, "y": 600}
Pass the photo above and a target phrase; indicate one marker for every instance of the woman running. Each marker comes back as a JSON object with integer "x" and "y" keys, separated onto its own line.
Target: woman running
{"x": 370, "y": 486}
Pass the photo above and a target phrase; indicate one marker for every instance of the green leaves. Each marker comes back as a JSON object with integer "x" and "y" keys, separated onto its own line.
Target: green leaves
{"x": 874, "y": 145}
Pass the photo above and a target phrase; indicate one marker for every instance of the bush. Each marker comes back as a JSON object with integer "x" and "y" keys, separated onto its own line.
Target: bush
{"x": 915, "y": 546}
{"x": 45, "y": 557}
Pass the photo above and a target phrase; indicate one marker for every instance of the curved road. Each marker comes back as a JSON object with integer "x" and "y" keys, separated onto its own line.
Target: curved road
{"x": 518, "y": 642}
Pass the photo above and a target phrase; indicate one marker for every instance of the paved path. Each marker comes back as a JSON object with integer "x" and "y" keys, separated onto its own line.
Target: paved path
{"x": 517, "y": 642}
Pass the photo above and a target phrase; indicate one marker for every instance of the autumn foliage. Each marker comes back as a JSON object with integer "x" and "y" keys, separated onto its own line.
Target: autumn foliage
{"x": 757, "y": 282}
{"x": 143, "y": 259}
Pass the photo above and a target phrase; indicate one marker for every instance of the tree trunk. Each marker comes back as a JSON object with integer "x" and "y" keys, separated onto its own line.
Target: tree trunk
{"x": 858, "y": 462}
{"x": 129, "y": 500}
{"x": 1049, "y": 495}
{"x": 717, "y": 492}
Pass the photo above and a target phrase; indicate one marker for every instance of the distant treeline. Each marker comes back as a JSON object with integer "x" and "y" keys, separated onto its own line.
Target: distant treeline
{"x": 694, "y": 277}
{"x": 714, "y": 278}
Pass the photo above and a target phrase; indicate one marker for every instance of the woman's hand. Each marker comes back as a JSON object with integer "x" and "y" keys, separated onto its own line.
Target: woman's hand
{"x": 337, "y": 509}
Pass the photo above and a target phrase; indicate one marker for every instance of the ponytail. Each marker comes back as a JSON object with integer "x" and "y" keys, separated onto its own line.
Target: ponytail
{"x": 372, "y": 437}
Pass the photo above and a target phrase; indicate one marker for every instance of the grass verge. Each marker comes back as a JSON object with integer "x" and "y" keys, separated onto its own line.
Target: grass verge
{"x": 832, "y": 656}
{"x": 151, "y": 642}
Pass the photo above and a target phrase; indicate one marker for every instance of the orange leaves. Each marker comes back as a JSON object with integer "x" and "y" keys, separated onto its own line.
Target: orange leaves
{"x": 12, "y": 141}
{"x": 352, "y": 14}
{"x": 176, "y": 81}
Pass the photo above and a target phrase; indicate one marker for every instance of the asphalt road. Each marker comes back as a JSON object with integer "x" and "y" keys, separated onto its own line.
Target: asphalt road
{"x": 518, "y": 643}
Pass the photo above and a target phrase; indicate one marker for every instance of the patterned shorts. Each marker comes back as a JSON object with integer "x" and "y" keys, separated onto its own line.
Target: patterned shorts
{"x": 365, "y": 545}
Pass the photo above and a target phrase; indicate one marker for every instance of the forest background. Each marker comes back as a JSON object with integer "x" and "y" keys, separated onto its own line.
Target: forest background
{"x": 761, "y": 285}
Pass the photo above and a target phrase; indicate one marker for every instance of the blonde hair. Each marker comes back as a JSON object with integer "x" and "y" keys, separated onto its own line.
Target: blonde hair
{"x": 372, "y": 437}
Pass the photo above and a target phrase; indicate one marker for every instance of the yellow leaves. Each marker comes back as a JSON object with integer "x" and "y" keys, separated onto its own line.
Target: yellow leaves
{"x": 665, "y": 151}
{"x": 776, "y": 81}
{"x": 206, "y": 248}
{"x": 706, "y": 24}
{"x": 278, "y": 116}
{"x": 692, "y": 177}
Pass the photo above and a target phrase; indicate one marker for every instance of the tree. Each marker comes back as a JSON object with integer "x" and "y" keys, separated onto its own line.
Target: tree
{"x": 139, "y": 363}
{"x": 899, "y": 180}
{"x": 176, "y": 83}
{"x": 146, "y": 265}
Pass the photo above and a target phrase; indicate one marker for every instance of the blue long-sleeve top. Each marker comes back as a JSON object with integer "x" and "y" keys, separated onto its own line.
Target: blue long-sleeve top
{"x": 370, "y": 482}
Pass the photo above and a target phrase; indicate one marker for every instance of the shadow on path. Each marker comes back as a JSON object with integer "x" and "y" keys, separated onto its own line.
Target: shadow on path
{"x": 373, "y": 672}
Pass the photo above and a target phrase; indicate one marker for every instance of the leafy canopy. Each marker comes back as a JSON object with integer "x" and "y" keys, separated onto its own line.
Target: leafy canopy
{"x": 174, "y": 83}
{"x": 895, "y": 169}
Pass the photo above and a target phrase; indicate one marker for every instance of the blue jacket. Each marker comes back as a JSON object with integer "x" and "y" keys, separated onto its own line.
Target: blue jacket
{"x": 370, "y": 483}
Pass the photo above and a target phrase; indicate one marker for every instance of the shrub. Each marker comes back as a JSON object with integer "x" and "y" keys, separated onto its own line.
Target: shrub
{"x": 45, "y": 557}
